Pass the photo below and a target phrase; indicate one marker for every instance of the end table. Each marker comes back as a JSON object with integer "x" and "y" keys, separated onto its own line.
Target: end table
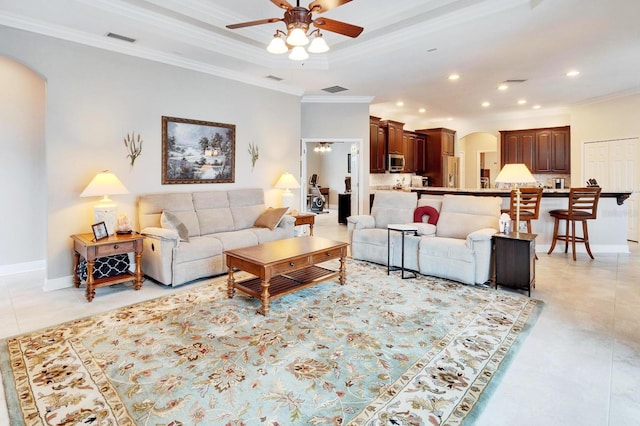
{"x": 84, "y": 245}
{"x": 515, "y": 257}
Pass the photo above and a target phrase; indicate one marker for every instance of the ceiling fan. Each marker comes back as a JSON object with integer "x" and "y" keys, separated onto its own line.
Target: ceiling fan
{"x": 298, "y": 20}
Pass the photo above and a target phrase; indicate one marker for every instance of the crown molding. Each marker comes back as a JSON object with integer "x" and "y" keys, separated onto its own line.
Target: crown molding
{"x": 337, "y": 99}
{"x": 101, "y": 42}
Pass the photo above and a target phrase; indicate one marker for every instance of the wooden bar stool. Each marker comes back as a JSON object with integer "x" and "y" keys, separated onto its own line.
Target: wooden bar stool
{"x": 529, "y": 206}
{"x": 583, "y": 205}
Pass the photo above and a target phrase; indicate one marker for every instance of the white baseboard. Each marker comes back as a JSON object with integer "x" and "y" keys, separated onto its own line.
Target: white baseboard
{"x": 58, "y": 283}
{"x": 19, "y": 268}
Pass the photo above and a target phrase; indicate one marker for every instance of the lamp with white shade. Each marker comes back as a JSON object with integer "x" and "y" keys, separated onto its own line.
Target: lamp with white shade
{"x": 103, "y": 185}
{"x": 287, "y": 182}
{"x": 516, "y": 175}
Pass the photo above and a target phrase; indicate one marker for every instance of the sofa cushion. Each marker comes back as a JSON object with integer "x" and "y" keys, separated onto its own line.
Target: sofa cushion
{"x": 151, "y": 206}
{"x": 393, "y": 207}
{"x": 197, "y": 248}
{"x": 236, "y": 239}
{"x": 246, "y": 205}
{"x": 212, "y": 209}
{"x": 270, "y": 218}
{"x": 462, "y": 214}
{"x": 170, "y": 221}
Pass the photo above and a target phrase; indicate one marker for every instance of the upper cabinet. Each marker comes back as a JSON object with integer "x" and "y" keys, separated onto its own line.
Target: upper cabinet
{"x": 409, "y": 151}
{"x": 553, "y": 151}
{"x": 420, "y": 153}
{"x": 395, "y": 135}
{"x": 377, "y": 146}
{"x": 545, "y": 150}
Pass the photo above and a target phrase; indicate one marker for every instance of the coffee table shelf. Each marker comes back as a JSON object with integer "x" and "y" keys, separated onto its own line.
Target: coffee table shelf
{"x": 285, "y": 284}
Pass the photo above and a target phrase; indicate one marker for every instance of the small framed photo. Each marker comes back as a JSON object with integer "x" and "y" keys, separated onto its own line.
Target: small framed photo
{"x": 99, "y": 230}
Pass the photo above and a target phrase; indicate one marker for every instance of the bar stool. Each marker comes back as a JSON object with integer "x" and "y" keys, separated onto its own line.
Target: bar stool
{"x": 529, "y": 206}
{"x": 583, "y": 206}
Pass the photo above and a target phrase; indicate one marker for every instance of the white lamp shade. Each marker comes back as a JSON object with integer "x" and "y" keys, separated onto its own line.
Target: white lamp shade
{"x": 287, "y": 181}
{"x": 515, "y": 173}
{"x": 277, "y": 46}
{"x": 318, "y": 45}
{"x": 298, "y": 54}
{"x": 297, "y": 37}
{"x": 104, "y": 183}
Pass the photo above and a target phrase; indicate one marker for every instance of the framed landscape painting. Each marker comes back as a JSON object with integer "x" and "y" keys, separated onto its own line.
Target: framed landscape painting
{"x": 195, "y": 151}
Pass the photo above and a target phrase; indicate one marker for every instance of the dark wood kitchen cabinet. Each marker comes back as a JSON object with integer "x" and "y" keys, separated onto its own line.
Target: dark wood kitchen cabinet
{"x": 517, "y": 147}
{"x": 545, "y": 150}
{"x": 420, "y": 153}
{"x": 553, "y": 151}
{"x": 409, "y": 151}
{"x": 377, "y": 146}
{"x": 395, "y": 133}
{"x": 439, "y": 142}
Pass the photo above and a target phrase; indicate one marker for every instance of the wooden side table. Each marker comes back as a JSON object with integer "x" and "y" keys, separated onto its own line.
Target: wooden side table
{"x": 306, "y": 219}
{"x": 515, "y": 258}
{"x": 84, "y": 245}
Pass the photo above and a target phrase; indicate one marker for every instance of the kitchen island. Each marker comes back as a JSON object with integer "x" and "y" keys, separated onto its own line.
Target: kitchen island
{"x": 607, "y": 233}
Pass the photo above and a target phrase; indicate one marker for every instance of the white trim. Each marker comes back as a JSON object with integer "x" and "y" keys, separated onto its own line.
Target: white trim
{"x": 19, "y": 268}
{"x": 58, "y": 283}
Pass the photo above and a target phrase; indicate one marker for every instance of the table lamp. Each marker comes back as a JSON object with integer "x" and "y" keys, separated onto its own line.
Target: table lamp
{"x": 515, "y": 174}
{"x": 104, "y": 184}
{"x": 287, "y": 182}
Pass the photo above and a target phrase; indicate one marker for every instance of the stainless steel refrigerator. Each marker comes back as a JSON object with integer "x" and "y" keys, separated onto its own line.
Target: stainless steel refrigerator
{"x": 450, "y": 171}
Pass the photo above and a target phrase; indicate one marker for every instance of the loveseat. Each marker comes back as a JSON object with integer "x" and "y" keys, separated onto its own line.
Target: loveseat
{"x": 456, "y": 247}
{"x": 187, "y": 232}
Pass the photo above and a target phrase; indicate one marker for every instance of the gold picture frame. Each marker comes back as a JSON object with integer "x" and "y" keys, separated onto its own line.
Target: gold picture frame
{"x": 196, "y": 151}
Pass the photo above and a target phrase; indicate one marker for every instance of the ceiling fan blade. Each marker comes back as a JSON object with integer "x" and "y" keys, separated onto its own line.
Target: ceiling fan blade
{"x": 282, "y": 4}
{"x": 319, "y": 6}
{"x": 338, "y": 27}
{"x": 251, "y": 23}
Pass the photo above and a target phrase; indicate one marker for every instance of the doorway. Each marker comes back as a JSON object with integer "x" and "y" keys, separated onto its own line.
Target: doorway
{"x": 333, "y": 168}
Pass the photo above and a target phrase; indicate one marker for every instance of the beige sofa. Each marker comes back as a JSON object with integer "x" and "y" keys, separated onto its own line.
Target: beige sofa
{"x": 215, "y": 221}
{"x": 458, "y": 247}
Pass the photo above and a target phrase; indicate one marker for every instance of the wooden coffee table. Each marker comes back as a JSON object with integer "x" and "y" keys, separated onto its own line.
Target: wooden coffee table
{"x": 284, "y": 266}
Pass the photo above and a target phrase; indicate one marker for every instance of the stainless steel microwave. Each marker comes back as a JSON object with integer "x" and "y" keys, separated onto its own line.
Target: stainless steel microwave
{"x": 396, "y": 162}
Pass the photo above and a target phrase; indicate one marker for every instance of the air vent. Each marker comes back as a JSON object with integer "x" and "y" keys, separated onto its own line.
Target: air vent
{"x": 121, "y": 37}
{"x": 514, "y": 81}
{"x": 334, "y": 89}
{"x": 273, "y": 77}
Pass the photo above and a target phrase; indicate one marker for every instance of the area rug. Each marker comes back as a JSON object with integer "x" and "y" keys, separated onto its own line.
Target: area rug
{"x": 379, "y": 350}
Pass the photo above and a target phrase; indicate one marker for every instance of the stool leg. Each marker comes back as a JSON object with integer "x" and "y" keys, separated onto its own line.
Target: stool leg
{"x": 555, "y": 235}
{"x": 585, "y": 234}
{"x": 566, "y": 236}
{"x": 529, "y": 231}
{"x": 573, "y": 238}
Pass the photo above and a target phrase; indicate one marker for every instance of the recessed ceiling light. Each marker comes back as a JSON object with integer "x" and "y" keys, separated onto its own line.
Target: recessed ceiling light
{"x": 449, "y": 118}
{"x": 573, "y": 73}
{"x": 522, "y": 101}
{"x": 454, "y": 77}
{"x": 536, "y": 107}
{"x": 486, "y": 104}
{"x": 399, "y": 104}
{"x": 422, "y": 110}
{"x": 503, "y": 87}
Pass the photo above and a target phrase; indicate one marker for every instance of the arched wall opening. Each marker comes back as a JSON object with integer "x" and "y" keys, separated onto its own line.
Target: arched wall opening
{"x": 481, "y": 152}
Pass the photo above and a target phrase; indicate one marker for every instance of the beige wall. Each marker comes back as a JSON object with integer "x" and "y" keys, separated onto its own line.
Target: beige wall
{"x": 23, "y": 171}
{"x": 95, "y": 97}
{"x": 472, "y": 145}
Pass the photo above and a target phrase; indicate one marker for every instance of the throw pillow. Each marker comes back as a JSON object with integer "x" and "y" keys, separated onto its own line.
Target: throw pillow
{"x": 270, "y": 218}
{"x": 429, "y": 211}
{"x": 169, "y": 220}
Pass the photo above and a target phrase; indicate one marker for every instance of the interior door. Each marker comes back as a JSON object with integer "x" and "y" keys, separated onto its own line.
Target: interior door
{"x": 614, "y": 165}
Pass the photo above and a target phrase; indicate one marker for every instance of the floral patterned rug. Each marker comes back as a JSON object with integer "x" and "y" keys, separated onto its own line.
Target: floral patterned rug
{"x": 377, "y": 351}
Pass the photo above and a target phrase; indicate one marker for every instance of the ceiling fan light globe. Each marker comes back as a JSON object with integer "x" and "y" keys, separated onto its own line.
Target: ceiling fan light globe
{"x": 297, "y": 37}
{"x": 318, "y": 45}
{"x": 298, "y": 54}
{"x": 277, "y": 46}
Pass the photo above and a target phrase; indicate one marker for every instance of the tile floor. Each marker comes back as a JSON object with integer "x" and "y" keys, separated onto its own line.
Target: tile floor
{"x": 580, "y": 365}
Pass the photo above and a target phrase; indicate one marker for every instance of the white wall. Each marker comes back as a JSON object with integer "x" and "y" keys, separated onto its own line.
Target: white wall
{"x": 95, "y": 97}
{"x": 331, "y": 168}
{"x": 22, "y": 108}
{"x": 335, "y": 121}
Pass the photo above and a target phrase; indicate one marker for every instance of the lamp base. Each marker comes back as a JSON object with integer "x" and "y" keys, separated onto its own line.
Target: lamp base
{"x": 287, "y": 199}
{"x": 107, "y": 213}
